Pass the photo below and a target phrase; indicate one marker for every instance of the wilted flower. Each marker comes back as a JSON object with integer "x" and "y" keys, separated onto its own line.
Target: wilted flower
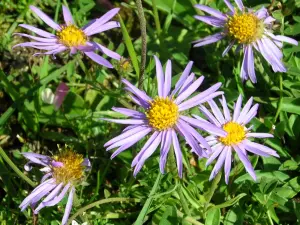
{"x": 69, "y": 36}
{"x": 163, "y": 117}
{"x": 57, "y": 98}
{"x": 62, "y": 174}
{"x": 247, "y": 29}
{"x": 237, "y": 138}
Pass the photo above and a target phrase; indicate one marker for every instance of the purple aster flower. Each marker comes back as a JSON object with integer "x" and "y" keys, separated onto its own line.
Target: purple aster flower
{"x": 238, "y": 136}
{"x": 164, "y": 118}
{"x": 62, "y": 173}
{"x": 70, "y": 37}
{"x": 249, "y": 30}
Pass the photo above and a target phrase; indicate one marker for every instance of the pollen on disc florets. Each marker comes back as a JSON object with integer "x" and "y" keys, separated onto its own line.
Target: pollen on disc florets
{"x": 163, "y": 113}
{"x": 72, "y": 168}
{"x": 235, "y": 134}
{"x": 71, "y": 36}
{"x": 245, "y": 28}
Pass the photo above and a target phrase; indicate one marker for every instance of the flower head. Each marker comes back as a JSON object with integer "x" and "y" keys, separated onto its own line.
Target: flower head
{"x": 70, "y": 37}
{"x": 237, "y": 138}
{"x": 62, "y": 173}
{"x": 163, "y": 117}
{"x": 249, "y": 30}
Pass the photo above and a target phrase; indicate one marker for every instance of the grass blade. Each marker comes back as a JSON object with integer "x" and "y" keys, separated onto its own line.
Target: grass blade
{"x": 129, "y": 47}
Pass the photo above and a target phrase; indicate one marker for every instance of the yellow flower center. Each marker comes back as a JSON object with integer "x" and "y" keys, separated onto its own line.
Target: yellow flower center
{"x": 163, "y": 113}
{"x": 72, "y": 168}
{"x": 235, "y": 133}
{"x": 245, "y": 28}
{"x": 71, "y": 36}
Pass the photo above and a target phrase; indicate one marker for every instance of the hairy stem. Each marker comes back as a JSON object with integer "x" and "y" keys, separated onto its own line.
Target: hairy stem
{"x": 144, "y": 41}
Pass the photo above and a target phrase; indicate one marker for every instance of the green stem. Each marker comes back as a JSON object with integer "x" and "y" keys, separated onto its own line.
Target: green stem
{"x": 188, "y": 218}
{"x": 100, "y": 202}
{"x": 144, "y": 41}
{"x": 156, "y": 17}
{"x": 239, "y": 81}
{"x": 100, "y": 179}
{"x": 143, "y": 213}
{"x": 15, "y": 168}
{"x": 66, "y": 3}
{"x": 183, "y": 200}
{"x": 279, "y": 105}
{"x": 81, "y": 64}
{"x": 212, "y": 189}
{"x": 9, "y": 88}
{"x": 56, "y": 12}
{"x": 269, "y": 218}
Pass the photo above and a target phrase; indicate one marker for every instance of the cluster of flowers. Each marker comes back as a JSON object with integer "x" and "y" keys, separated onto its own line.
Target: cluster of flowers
{"x": 164, "y": 115}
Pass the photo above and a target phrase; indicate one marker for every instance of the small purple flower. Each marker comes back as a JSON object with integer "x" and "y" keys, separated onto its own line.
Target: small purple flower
{"x": 237, "y": 138}
{"x": 62, "y": 174}
{"x": 60, "y": 94}
{"x": 164, "y": 117}
{"x": 56, "y": 99}
{"x": 70, "y": 37}
{"x": 249, "y": 30}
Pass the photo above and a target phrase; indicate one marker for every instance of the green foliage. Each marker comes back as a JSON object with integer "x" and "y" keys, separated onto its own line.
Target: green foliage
{"x": 29, "y": 124}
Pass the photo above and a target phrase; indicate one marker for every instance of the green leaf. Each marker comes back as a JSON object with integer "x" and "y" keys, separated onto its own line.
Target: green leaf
{"x": 30, "y": 121}
{"x": 288, "y": 128}
{"x": 130, "y": 47}
{"x": 289, "y": 165}
{"x": 267, "y": 185}
{"x": 73, "y": 105}
{"x": 293, "y": 29}
{"x": 275, "y": 143}
{"x": 280, "y": 127}
{"x": 271, "y": 163}
{"x": 235, "y": 216}
{"x": 169, "y": 217}
{"x": 229, "y": 202}
{"x": 213, "y": 217}
{"x": 294, "y": 187}
{"x": 144, "y": 211}
{"x": 8, "y": 86}
{"x": 190, "y": 197}
{"x": 272, "y": 212}
{"x": 280, "y": 176}
{"x": 290, "y": 105}
{"x": 182, "y": 11}
{"x": 59, "y": 137}
{"x": 5, "y": 116}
